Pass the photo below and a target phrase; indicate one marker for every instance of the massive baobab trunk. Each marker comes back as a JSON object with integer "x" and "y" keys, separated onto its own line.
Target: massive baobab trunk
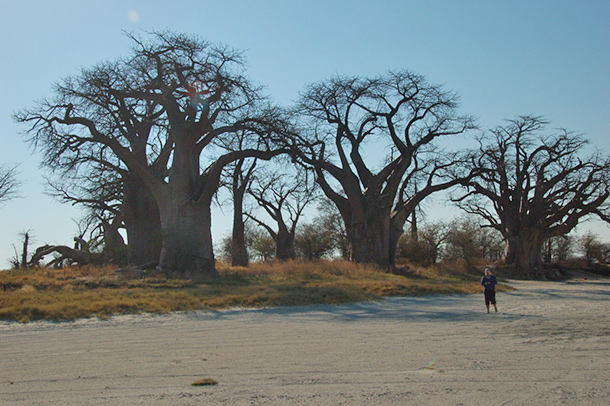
{"x": 369, "y": 241}
{"x": 142, "y": 223}
{"x": 523, "y": 254}
{"x": 187, "y": 238}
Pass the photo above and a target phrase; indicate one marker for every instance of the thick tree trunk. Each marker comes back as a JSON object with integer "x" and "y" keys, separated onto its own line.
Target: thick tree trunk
{"x": 284, "y": 245}
{"x": 523, "y": 253}
{"x": 186, "y": 219}
{"x": 370, "y": 241}
{"x": 187, "y": 239}
{"x": 142, "y": 223}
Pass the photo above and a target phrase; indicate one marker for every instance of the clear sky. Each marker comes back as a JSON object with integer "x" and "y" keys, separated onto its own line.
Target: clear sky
{"x": 505, "y": 58}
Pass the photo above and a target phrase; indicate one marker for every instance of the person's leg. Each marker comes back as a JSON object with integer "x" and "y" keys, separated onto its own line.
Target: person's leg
{"x": 493, "y": 300}
{"x": 487, "y": 300}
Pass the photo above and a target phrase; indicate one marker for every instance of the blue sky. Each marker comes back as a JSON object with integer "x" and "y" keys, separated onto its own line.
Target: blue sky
{"x": 504, "y": 58}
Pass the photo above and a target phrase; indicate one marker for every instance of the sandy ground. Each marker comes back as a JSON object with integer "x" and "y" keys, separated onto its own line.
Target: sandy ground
{"x": 548, "y": 345}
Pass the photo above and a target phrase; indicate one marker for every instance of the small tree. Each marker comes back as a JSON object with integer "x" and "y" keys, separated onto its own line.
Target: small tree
{"x": 460, "y": 242}
{"x": 330, "y": 219}
{"x": 262, "y": 246}
{"x": 283, "y": 196}
{"x": 314, "y": 240}
{"x": 558, "y": 249}
{"x": 20, "y": 260}
{"x": 468, "y": 240}
{"x": 591, "y": 248}
{"x": 491, "y": 243}
{"x": 425, "y": 247}
{"x": 8, "y": 183}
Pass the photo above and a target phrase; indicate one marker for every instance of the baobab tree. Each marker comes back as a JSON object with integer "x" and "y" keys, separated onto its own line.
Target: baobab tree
{"x": 188, "y": 94}
{"x": 534, "y": 186}
{"x": 350, "y": 123}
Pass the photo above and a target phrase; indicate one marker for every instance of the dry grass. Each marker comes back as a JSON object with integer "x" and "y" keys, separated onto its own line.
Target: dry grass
{"x": 68, "y": 294}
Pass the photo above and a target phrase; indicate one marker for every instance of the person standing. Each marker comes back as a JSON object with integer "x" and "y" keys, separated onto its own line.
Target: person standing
{"x": 490, "y": 281}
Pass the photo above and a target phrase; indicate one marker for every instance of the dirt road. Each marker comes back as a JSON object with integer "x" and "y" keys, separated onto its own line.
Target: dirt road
{"x": 548, "y": 345}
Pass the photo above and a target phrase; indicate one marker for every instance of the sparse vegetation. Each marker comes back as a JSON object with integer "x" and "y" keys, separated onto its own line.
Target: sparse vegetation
{"x": 80, "y": 292}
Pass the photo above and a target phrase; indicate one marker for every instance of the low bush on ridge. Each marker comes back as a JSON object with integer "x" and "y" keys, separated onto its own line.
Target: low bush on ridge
{"x": 78, "y": 292}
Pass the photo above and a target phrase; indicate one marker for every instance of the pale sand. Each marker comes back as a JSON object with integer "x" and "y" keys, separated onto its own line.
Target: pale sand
{"x": 548, "y": 345}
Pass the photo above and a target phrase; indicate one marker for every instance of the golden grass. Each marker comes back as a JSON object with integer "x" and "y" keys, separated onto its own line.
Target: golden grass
{"x": 68, "y": 294}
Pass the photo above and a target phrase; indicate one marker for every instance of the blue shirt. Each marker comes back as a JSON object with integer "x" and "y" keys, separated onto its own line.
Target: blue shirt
{"x": 489, "y": 283}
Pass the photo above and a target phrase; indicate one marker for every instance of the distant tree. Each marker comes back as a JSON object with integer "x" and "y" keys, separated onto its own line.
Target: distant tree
{"x": 284, "y": 196}
{"x": 461, "y": 240}
{"x": 314, "y": 240}
{"x": 8, "y": 183}
{"x": 592, "y": 249}
{"x": 563, "y": 247}
{"x": 605, "y": 253}
{"x": 533, "y": 187}
{"x": 223, "y": 249}
{"x": 558, "y": 249}
{"x": 262, "y": 245}
{"x": 330, "y": 218}
{"x": 425, "y": 247}
{"x": 491, "y": 243}
{"x": 346, "y": 119}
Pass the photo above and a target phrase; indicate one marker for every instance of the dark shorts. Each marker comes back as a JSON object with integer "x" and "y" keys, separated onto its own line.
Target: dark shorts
{"x": 490, "y": 297}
